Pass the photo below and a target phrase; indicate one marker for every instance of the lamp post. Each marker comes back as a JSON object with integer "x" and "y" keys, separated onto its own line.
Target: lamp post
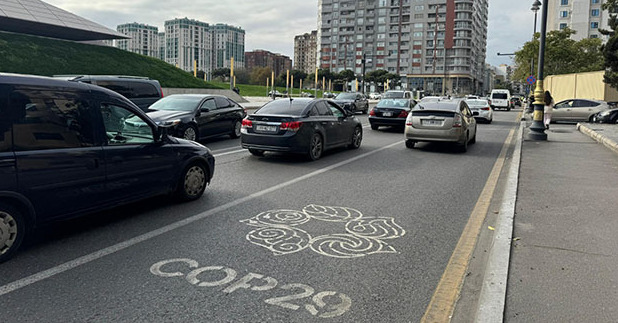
{"x": 537, "y": 129}
{"x": 535, "y": 7}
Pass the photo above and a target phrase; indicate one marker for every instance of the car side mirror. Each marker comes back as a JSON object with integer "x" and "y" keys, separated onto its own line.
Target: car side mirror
{"x": 162, "y": 132}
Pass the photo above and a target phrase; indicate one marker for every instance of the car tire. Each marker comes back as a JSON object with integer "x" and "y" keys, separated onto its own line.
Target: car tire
{"x": 357, "y": 138}
{"x": 591, "y": 119}
{"x": 489, "y": 121}
{"x": 12, "y": 231}
{"x": 508, "y": 109}
{"x": 464, "y": 147}
{"x": 192, "y": 182}
{"x": 473, "y": 140}
{"x": 410, "y": 143}
{"x": 256, "y": 152}
{"x": 236, "y": 130}
{"x": 353, "y": 108}
{"x": 374, "y": 127}
{"x": 316, "y": 147}
{"x": 190, "y": 133}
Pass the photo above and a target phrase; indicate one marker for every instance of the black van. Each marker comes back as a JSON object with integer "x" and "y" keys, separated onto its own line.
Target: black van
{"x": 69, "y": 148}
{"x": 142, "y": 91}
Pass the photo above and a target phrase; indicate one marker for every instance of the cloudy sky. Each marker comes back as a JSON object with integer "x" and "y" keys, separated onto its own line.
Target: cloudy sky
{"x": 272, "y": 24}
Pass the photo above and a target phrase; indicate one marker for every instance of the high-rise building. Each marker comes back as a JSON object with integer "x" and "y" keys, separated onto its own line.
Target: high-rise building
{"x": 144, "y": 39}
{"x": 585, "y": 17}
{"x": 435, "y": 45}
{"x": 229, "y": 42}
{"x": 161, "y": 41}
{"x": 188, "y": 43}
{"x": 305, "y": 52}
{"x": 261, "y": 58}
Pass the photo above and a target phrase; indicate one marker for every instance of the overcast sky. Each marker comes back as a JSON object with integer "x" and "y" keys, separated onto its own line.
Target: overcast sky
{"x": 272, "y": 24}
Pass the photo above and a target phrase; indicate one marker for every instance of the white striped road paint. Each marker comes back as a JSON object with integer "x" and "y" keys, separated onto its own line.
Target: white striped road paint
{"x": 51, "y": 272}
{"x": 230, "y": 152}
{"x": 493, "y": 292}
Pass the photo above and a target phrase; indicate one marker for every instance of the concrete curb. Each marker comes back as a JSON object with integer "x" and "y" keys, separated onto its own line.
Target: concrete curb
{"x": 607, "y": 142}
{"x": 492, "y": 298}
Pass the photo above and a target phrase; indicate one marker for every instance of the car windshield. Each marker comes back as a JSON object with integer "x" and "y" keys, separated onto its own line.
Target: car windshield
{"x": 177, "y": 103}
{"x": 346, "y": 96}
{"x": 393, "y": 103}
{"x": 284, "y": 107}
{"x": 499, "y": 96}
{"x": 393, "y": 95}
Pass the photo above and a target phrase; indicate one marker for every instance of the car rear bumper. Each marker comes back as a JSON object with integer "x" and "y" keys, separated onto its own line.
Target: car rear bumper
{"x": 378, "y": 121}
{"x": 292, "y": 143}
{"x": 448, "y": 135}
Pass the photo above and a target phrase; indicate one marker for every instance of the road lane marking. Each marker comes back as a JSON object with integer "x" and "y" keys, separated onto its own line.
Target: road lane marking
{"x": 51, "y": 272}
{"x": 230, "y": 153}
{"x": 442, "y": 304}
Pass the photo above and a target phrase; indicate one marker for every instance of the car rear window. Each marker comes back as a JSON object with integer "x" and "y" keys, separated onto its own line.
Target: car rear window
{"x": 421, "y": 113}
{"x": 475, "y": 103}
{"x": 393, "y": 95}
{"x": 144, "y": 90}
{"x": 284, "y": 107}
{"x": 499, "y": 96}
{"x": 393, "y": 103}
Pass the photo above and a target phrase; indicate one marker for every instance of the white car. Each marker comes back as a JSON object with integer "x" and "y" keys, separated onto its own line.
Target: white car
{"x": 481, "y": 109}
{"x": 375, "y": 96}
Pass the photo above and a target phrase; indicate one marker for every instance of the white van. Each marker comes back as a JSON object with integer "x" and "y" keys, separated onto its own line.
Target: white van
{"x": 501, "y": 99}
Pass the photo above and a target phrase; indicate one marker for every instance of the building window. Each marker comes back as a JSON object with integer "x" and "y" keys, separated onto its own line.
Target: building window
{"x": 595, "y": 1}
{"x": 563, "y": 25}
{"x": 564, "y": 2}
{"x": 595, "y": 12}
{"x": 594, "y": 36}
{"x": 594, "y": 25}
{"x": 564, "y": 14}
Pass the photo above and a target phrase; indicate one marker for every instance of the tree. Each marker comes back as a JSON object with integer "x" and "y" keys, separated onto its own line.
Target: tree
{"x": 298, "y": 75}
{"x": 347, "y": 75}
{"x": 242, "y": 76}
{"x": 221, "y": 73}
{"x": 610, "y": 49}
{"x": 563, "y": 55}
{"x": 259, "y": 75}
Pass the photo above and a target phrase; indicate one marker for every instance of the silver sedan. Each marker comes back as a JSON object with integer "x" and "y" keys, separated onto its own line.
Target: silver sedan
{"x": 443, "y": 121}
{"x": 577, "y": 110}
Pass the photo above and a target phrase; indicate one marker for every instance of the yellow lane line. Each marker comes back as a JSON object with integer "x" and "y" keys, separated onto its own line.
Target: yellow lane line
{"x": 442, "y": 304}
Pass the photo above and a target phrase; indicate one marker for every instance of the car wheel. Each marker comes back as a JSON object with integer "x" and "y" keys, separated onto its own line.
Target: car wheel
{"x": 316, "y": 147}
{"x": 591, "y": 119}
{"x": 192, "y": 182}
{"x": 374, "y": 127}
{"x": 12, "y": 231}
{"x": 357, "y": 138}
{"x": 236, "y": 131}
{"x": 410, "y": 143}
{"x": 473, "y": 140}
{"x": 256, "y": 152}
{"x": 508, "y": 109}
{"x": 464, "y": 147}
{"x": 190, "y": 133}
{"x": 353, "y": 108}
{"x": 489, "y": 121}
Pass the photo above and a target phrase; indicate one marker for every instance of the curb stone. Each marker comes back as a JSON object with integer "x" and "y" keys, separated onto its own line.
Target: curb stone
{"x": 607, "y": 142}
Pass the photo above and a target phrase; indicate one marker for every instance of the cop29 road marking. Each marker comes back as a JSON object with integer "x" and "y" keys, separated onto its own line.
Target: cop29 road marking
{"x": 13, "y": 286}
{"x": 317, "y": 306}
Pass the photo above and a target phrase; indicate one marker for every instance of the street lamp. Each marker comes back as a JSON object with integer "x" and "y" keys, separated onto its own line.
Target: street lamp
{"x": 535, "y": 7}
{"x": 537, "y": 129}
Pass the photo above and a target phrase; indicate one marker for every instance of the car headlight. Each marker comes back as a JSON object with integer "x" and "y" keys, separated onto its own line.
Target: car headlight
{"x": 172, "y": 123}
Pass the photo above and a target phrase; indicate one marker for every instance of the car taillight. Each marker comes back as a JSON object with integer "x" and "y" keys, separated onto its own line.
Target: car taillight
{"x": 457, "y": 121}
{"x": 372, "y": 112}
{"x": 246, "y": 123}
{"x": 485, "y": 109}
{"x": 403, "y": 114}
{"x": 292, "y": 126}
{"x": 161, "y": 92}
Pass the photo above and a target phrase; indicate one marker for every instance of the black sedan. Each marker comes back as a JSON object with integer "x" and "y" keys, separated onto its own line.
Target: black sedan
{"x": 305, "y": 126}
{"x": 352, "y": 101}
{"x": 198, "y": 116}
{"x": 390, "y": 112}
{"x": 606, "y": 116}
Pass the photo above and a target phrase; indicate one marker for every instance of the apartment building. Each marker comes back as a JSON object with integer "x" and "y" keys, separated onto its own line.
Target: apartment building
{"x": 584, "y": 16}
{"x": 305, "y": 52}
{"x": 143, "y": 39}
{"x": 229, "y": 41}
{"x": 261, "y": 58}
{"x": 435, "y": 45}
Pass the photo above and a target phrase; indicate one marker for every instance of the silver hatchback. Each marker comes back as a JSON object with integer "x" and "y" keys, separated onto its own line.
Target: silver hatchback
{"x": 443, "y": 121}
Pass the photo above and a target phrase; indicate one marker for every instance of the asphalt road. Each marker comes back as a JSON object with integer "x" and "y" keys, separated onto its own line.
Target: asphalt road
{"x": 357, "y": 236}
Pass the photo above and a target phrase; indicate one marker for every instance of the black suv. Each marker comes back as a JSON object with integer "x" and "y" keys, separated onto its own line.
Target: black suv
{"x": 69, "y": 148}
{"x": 142, "y": 91}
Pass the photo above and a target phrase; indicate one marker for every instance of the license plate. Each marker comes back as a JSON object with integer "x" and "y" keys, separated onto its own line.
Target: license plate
{"x": 266, "y": 128}
{"x": 387, "y": 114}
{"x": 431, "y": 122}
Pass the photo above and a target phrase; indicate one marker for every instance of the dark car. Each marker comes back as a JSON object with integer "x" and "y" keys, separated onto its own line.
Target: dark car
{"x": 352, "y": 101}
{"x": 390, "y": 112}
{"x": 515, "y": 101}
{"x": 198, "y": 116}
{"x": 606, "y": 116}
{"x": 69, "y": 148}
{"x": 142, "y": 91}
{"x": 305, "y": 126}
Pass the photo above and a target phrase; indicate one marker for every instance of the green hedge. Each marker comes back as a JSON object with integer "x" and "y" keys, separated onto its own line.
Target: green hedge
{"x": 44, "y": 56}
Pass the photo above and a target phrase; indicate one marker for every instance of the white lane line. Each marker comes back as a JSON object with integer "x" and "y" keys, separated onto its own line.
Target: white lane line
{"x": 493, "y": 292}
{"x": 13, "y": 286}
{"x": 218, "y": 151}
{"x": 230, "y": 152}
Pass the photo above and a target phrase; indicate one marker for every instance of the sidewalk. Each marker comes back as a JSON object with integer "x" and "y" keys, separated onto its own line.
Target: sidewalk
{"x": 564, "y": 257}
